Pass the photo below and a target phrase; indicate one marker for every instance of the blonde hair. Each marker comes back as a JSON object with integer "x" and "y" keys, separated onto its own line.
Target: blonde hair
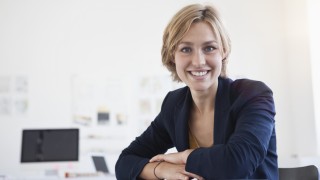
{"x": 179, "y": 26}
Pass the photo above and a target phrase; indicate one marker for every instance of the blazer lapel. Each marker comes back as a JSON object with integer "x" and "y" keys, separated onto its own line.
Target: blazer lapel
{"x": 222, "y": 108}
{"x": 182, "y": 111}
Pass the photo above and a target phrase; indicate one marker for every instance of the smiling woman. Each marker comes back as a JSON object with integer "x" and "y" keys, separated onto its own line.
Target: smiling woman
{"x": 222, "y": 129}
{"x": 179, "y": 26}
{"x": 197, "y": 59}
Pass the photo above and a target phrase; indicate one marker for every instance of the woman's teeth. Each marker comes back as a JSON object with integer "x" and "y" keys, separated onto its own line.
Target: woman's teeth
{"x": 199, "y": 73}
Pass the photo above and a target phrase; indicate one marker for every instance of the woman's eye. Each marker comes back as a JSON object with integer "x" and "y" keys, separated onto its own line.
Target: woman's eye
{"x": 209, "y": 49}
{"x": 186, "y": 50}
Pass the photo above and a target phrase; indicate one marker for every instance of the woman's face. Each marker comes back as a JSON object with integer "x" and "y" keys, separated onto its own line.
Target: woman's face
{"x": 198, "y": 59}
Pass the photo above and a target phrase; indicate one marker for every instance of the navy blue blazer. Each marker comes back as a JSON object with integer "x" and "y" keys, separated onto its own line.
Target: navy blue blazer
{"x": 244, "y": 135}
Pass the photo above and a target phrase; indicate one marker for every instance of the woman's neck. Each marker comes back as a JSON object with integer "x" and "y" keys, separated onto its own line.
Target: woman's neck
{"x": 204, "y": 101}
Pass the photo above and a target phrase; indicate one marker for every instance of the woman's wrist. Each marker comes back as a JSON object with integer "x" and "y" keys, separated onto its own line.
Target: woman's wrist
{"x": 155, "y": 168}
{"x": 186, "y": 154}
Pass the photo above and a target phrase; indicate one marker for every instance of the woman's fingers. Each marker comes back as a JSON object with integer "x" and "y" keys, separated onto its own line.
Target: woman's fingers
{"x": 176, "y": 158}
{"x": 180, "y": 176}
{"x": 174, "y": 171}
{"x": 193, "y": 175}
{"x": 159, "y": 157}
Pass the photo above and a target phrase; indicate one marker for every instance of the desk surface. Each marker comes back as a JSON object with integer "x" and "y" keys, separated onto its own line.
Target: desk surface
{"x": 104, "y": 177}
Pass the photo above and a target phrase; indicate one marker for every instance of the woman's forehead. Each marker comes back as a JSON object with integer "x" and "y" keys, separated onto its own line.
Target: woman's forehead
{"x": 199, "y": 31}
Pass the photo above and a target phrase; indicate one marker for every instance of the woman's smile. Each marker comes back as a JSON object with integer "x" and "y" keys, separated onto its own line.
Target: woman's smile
{"x": 199, "y": 75}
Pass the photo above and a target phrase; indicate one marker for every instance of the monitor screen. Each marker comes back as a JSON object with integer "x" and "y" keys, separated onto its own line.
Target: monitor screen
{"x": 44, "y": 145}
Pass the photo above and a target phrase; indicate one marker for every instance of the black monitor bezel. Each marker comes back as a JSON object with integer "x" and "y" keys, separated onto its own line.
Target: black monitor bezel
{"x": 75, "y": 131}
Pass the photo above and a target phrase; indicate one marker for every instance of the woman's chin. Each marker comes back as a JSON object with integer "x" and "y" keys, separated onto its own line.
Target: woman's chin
{"x": 199, "y": 87}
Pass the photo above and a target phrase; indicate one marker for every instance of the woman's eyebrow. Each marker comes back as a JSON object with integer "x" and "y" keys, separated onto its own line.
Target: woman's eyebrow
{"x": 185, "y": 43}
{"x": 191, "y": 43}
{"x": 211, "y": 42}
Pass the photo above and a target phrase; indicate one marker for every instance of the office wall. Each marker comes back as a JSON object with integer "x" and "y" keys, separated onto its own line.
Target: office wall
{"x": 314, "y": 27}
{"x": 298, "y": 57}
{"x": 48, "y": 43}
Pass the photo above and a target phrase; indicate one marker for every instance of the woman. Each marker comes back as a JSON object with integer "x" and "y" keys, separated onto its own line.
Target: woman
{"x": 222, "y": 129}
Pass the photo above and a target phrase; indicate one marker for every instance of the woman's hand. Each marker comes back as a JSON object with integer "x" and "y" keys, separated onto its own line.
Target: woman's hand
{"x": 175, "y": 158}
{"x": 167, "y": 170}
{"x": 173, "y": 165}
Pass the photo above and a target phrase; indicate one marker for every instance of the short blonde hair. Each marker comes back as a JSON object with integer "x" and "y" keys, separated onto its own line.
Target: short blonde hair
{"x": 179, "y": 26}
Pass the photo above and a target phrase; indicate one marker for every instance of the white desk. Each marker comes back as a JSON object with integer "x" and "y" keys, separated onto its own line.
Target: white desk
{"x": 105, "y": 177}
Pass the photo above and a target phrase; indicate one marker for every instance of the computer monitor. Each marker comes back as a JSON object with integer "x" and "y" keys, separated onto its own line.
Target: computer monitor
{"x": 49, "y": 151}
{"x": 44, "y": 145}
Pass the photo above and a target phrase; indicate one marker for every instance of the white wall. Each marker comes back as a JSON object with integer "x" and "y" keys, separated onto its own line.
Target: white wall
{"x": 314, "y": 28}
{"x": 300, "y": 87}
{"x": 51, "y": 41}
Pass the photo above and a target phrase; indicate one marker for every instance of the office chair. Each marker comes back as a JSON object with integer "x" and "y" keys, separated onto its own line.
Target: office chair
{"x": 299, "y": 173}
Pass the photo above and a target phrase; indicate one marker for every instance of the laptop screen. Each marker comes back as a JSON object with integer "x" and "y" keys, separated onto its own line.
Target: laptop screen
{"x": 100, "y": 164}
{"x": 43, "y": 145}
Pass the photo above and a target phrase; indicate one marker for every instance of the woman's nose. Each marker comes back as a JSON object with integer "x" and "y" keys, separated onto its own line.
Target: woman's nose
{"x": 198, "y": 59}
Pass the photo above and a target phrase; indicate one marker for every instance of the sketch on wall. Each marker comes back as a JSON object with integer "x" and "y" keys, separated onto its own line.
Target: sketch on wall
{"x": 13, "y": 95}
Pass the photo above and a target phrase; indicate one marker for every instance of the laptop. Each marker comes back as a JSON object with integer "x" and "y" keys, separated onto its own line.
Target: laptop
{"x": 100, "y": 164}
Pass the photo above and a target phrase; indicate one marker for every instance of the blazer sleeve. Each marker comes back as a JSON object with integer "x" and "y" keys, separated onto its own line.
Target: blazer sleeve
{"x": 154, "y": 140}
{"x": 247, "y": 147}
